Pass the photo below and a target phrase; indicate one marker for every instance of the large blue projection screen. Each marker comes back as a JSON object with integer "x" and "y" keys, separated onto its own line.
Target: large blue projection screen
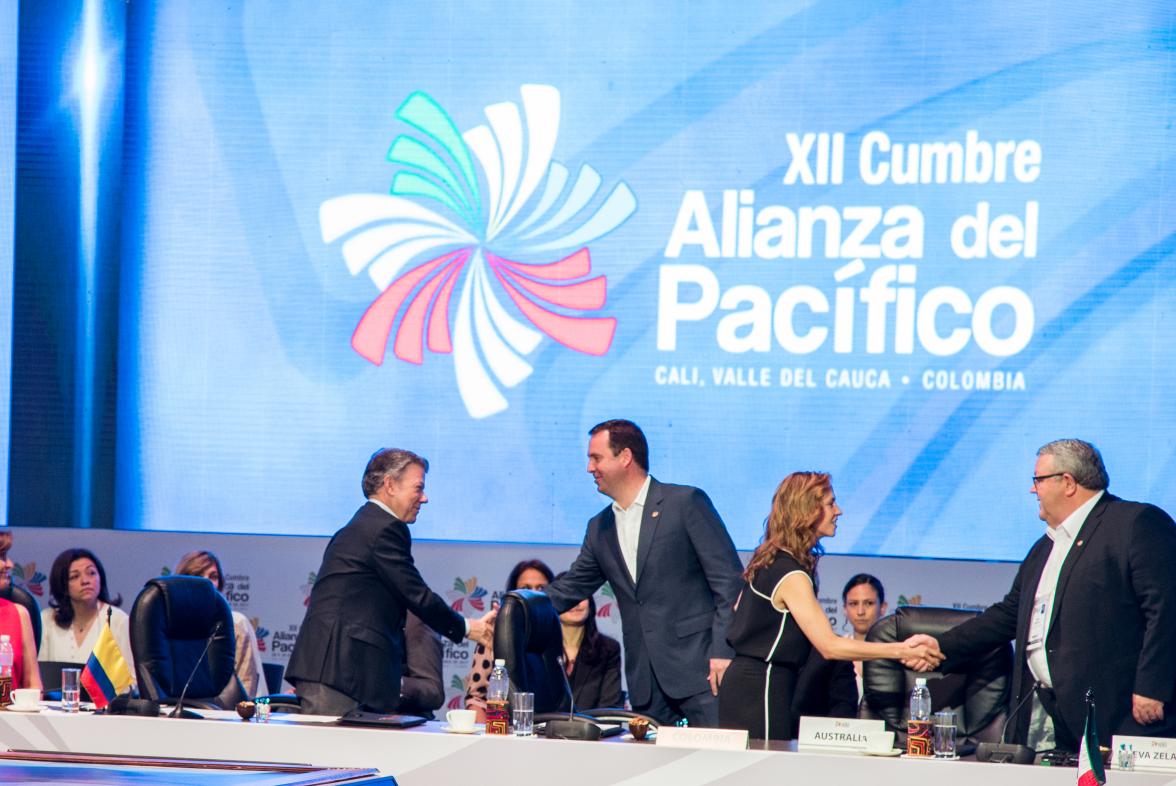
{"x": 8, "y": 53}
{"x": 906, "y": 243}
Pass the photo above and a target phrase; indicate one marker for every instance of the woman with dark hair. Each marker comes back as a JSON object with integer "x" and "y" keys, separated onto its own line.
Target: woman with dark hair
{"x": 593, "y": 659}
{"x": 778, "y": 619}
{"x": 248, "y": 657}
{"x": 532, "y": 574}
{"x": 16, "y": 624}
{"x": 79, "y": 603}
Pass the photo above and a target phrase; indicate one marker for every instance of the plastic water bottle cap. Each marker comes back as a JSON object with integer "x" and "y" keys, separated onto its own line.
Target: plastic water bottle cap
{"x": 920, "y": 682}
{"x": 502, "y": 662}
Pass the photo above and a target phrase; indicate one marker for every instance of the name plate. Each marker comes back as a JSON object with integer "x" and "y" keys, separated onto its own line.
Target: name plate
{"x": 702, "y": 739}
{"x": 1149, "y": 753}
{"x": 842, "y": 734}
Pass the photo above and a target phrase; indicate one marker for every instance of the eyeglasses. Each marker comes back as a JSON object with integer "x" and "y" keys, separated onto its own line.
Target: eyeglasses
{"x": 1038, "y": 478}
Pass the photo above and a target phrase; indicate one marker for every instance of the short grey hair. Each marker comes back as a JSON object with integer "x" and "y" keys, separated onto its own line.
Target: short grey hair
{"x": 389, "y": 462}
{"x": 1080, "y": 460}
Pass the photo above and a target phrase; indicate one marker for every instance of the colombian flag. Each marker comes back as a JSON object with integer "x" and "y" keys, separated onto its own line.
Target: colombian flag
{"x": 106, "y": 674}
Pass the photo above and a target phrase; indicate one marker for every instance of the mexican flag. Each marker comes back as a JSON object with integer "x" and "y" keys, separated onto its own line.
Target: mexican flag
{"x": 1090, "y": 763}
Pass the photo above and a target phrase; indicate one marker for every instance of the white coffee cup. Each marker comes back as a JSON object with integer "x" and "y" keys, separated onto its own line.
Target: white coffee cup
{"x": 26, "y": 698}
{"x": 461, "y": 720}
{"x": 879, "y": 741}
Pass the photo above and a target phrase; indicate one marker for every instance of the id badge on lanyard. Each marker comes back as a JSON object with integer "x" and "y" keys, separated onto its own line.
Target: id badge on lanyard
{"x": 1037, "y": 623}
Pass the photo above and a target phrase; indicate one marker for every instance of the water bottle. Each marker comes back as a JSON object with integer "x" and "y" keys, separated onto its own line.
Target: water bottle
{"x": 6, "y": 685}
{"x": 919, "y": 725}
{"x": 499, "y": 686}
{"x": 497, "y": 691}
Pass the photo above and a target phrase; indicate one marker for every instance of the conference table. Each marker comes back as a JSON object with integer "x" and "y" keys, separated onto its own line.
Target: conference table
{"x": 427, "y": 755}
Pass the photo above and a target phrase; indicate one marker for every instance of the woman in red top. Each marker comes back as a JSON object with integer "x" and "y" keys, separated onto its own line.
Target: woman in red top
{"x": 15, "y": 622}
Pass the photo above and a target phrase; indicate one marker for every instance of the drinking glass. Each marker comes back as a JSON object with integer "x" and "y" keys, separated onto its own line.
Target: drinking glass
{"x": 523, "y": 711}
{"x": 943, "y": 743}
{"x": 71, "y": 693}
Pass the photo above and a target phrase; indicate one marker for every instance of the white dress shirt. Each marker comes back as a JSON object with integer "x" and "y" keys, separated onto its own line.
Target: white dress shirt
{"x": 1043, "y": 601}
{"x": 629, "y": 527}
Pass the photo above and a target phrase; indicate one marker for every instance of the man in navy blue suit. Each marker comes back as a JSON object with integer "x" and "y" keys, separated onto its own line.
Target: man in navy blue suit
{"x": 674, "y": 571}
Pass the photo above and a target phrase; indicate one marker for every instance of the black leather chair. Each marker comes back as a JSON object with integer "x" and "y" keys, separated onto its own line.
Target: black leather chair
{"x": 23, "y": 597}
{"x": 528, "y": 636}
{"x": 172, "y": 620}
{"x": 978, "y": 692}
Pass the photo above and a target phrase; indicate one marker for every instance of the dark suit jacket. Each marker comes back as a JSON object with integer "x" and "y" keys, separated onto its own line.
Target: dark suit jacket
{"x": 598, "y": 684}
{"x": 352, "y": 638}
{"x": 825, "y": 688}
{"x": 675, "y": 618}
{"x": 1113, "y": 627}
{"x": 422, "y": 687}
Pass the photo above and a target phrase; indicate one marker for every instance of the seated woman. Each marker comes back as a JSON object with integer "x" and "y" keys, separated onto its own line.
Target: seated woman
{"x": 593, "y": 659}
{"x": 79, "y": 603}
{"x": 532, "y": 574}
{"x": 778, "y": 619}
{"x": 248, "y": 658}
{"x": 17, "y": 625}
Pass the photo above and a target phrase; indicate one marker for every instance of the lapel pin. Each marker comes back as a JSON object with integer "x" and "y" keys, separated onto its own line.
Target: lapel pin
{"x": 1079, "y": 543}
{"x": 654, "y": 514}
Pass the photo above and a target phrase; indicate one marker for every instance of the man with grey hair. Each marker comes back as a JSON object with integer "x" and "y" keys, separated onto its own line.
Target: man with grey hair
{"x": 350, "y": 649}
{"x": 1092, "y": 606}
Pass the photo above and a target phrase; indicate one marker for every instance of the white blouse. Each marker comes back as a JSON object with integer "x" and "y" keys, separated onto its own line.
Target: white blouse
{"x": 59, "y": 644}
{"x": 248, "y": 657}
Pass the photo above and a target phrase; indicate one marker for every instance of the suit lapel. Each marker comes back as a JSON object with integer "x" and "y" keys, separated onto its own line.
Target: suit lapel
{"x": 650, "y": 517}
{"x": 1093, "y": 520}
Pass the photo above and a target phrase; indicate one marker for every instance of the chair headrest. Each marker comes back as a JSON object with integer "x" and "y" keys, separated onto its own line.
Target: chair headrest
{"x": 529, "y": 617}
{"x": 191, "y": 606}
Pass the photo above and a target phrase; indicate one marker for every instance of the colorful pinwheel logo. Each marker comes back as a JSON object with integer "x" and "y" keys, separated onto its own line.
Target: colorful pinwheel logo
{"x": 604, "y": 608}
{"x": 467, "y": 591}
{"x": 471, "y": 231}
{"x": 30, "y": 578}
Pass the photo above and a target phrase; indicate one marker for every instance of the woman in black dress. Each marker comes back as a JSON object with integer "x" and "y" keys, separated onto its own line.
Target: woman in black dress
{"x": 778, "y": 619}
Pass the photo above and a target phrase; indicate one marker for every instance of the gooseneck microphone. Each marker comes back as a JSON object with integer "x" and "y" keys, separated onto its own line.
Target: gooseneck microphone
{"x": 179, "y": 711}
{"x": 573, "y": 728}
{"x": 1002, "y": 752}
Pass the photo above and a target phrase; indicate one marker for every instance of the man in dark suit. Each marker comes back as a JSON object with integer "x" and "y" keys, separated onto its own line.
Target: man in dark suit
{"x": 350, "y": 650}
{"x": 675, "y": 574}
{"x": 1092, "y": 606}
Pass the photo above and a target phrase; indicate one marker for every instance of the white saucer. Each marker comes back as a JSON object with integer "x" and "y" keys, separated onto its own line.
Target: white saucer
{"x": 445, "y": 727}
{"x": 14, "y": 708}
{"x": 891, "y": 752}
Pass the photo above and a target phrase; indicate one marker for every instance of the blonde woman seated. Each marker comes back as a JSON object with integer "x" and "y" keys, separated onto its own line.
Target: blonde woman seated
{"x": 778, "y": 619}
{"x": 248, "y": 657}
